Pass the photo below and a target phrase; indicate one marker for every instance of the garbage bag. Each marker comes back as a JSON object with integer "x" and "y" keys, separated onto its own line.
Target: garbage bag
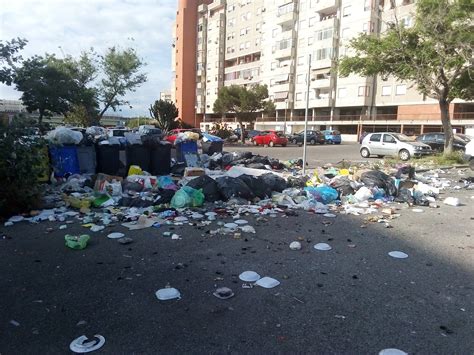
{"x": 297, "y": 181}
{"x": 210, "y": 138}
{"x": 166, "y": 182}
{"x": 258, "y": 185}
{"x": 420, "y": 199}
{"x": 323, "y": 193}
{"x": 274, "y": 182}
{"x": 227, "y": 159}
{"x": 208, "y": 186}
{"x": 63, "y": 135}
{"x": 405, "y": 195}
{"x": 165, "y": 196}
{"x": 363, "y": 194}
{"x": 187, "y": 197}
{"x": 343, "y": 185}
{"x": 379, "y": 179}
{"x": 234, "y": 187}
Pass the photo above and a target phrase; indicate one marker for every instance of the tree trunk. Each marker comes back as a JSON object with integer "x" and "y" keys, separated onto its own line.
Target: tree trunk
{"x": 448, "y": 130}
{"x": 242, "y": 132}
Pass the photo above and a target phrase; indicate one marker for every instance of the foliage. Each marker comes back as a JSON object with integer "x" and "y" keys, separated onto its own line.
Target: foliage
{"x": 220, "y": 131}
{"x": 19, "y": 168}
{"x": 165, "y": 114}
{"x": 46, "y": 85}
{"x": 243, "y": 102}
{"x": 437, "y": 160}
{"x": 138, "y": 121}
{"x": 120, "y": 70}
{"x": 79, "y": 115}
{"x": 9, "y": 57}
{"x": 435, "y": 54}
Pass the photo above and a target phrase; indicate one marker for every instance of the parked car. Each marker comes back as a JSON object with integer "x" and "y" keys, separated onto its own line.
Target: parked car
{"x": 312, "y": 137}
{"x": 173, "y": 134}
{"x": 436, "y": 141}
{"x": 332, "y": 136}
{"x": 382, "y": 144}
{"x": 469, "y": 154}
{"x": 463, "y": 137}
{"x": 237, "y": 132}
{"x": 117, "y": 132}
{"x": 270, "y": 138}
{"x": 252, "y": 133}
{"x": 151, "y": 131}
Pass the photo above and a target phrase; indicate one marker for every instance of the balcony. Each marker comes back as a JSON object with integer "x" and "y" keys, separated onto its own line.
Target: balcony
{"x": 286, "y": 18}
{"x": 326, "y": 5}
{"x": 330, "y": 22}
{"x": 320, "y": 83}
{"x": 323, "y": 101}
{"x": 283, "y": 49}
{"x": 216, "y": 4}
{"x": 202, "y": 8}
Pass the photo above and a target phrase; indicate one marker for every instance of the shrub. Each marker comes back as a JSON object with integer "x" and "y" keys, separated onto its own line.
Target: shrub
{"x": 21, "y": 153}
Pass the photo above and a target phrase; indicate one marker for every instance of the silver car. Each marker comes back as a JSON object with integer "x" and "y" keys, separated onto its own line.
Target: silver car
{"x": 395, "y": 144}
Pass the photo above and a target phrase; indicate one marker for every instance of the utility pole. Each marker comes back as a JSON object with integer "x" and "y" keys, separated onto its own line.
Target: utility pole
{"x": 308, "y": 80}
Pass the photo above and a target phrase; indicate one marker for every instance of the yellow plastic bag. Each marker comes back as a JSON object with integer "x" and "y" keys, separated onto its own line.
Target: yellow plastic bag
{"x": 135, "y": 170}
{"x": 315, "y": 180}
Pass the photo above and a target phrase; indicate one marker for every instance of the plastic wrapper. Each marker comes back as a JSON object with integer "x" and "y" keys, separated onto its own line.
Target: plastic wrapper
{"x": 63, "y": 135}
{"x": 322, "y": 193}
{"x": 187, "y": 197}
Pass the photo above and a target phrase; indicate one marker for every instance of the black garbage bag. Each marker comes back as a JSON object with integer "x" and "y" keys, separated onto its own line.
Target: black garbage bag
{"x": 258, "y": 159}
{"x": 209, "y": 187}
{"x": 379, "y": 179}
{"x": 276, "y": 165}
{"x": 165, "y": 196}
{"x": 274, "y": 182}
{"x": 258, "y": 185}
{"x": 234, "y": 187}
{"x": 297, "y": 181}
{"x": 404, "y": 195}
{"x": 256, "y": 166}
{"x": 178, "y": 169}
{"x": 227, "y": 159}
{"x": 132, "y": 186}
{"x": 242, "y": 155}
{"x": 342, "y": 185}
{"x": 135, "y": 202}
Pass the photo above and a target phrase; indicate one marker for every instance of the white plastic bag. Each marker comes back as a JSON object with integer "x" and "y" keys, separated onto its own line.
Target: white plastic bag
{"x": 63, "y": 135}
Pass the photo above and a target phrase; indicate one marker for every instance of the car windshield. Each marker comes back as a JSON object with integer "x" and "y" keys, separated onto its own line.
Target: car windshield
{"x": 279, "y": 134}
{"x": 401, "y": 137}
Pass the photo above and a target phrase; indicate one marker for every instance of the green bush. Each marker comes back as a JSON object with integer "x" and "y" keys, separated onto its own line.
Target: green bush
{"x": 221, "y": 131}
{"x": 21, "y": 153}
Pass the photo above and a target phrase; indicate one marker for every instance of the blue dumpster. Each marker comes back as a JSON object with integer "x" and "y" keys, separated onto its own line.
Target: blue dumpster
{"x": 186, "y": 147}
{"x": 64, "y": 160}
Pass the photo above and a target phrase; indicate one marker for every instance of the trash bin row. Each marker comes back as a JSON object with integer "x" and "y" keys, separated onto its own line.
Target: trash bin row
{"x": 72, "y": 159}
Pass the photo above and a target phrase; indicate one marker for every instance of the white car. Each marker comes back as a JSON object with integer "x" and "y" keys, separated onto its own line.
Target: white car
{"x": 469, "y": 153}
{"x": 395, "y": 144}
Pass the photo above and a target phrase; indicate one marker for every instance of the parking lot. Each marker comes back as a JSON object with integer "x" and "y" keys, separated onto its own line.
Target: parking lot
{"x": 316, "y": 154}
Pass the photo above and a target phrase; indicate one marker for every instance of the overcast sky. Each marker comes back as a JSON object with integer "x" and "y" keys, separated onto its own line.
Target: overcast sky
{"x": 71, "y": 26}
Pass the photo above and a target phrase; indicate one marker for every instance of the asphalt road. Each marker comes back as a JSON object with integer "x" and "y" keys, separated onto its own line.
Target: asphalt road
{"x": 354, "y": 299}
{"x": 316, "y": 155}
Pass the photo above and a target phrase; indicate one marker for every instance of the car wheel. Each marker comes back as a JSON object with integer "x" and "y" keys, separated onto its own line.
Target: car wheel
{"x": 364, "y": 152}
{"x": 312, "y": 142}
{"x": 471, "y": 163}
{"x": 380, "y": 156}
{"x": 255, "y": 143}
{"x": 404, "y": 154}
{"x": 330, "y": 141}
{"x": 271, "y": 144}
{"x": 283, "y": 145}
{"x": 294, "y": 141}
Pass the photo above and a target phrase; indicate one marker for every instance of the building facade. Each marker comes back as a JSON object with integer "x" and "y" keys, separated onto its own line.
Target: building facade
{"x": 271, "y": 42}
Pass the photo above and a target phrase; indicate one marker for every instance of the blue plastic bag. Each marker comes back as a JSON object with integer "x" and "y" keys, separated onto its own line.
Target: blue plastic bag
{"x": 322, "y": 193}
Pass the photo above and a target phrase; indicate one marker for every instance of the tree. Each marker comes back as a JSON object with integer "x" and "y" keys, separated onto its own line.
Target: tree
{"x": 243, "y": 102}
{"x": 436, "y": 54}
{"x": 46, "y": 86}
{"x": 121, "y": 75}
{"x": 165, "y": 114}
{"x": 138, "y": 121}
{"x": 9, "y": 57}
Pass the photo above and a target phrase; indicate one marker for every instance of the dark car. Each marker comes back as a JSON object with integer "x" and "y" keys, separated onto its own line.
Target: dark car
{"x": 436, "y": 141}
{"x": 312, "y": 137}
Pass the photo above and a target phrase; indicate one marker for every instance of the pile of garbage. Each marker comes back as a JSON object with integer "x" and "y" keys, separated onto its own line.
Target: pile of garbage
{"x": 235, "y": 185}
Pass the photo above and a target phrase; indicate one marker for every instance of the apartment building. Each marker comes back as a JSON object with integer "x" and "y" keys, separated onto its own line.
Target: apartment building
{"x": 271, "y": 41}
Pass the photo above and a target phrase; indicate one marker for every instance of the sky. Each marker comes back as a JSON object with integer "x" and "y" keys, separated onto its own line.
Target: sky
{"x": 67, "y": 27}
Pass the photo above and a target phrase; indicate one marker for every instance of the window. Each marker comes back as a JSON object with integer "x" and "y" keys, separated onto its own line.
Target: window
{"x": 242, "y": 46}
{"x": 275, "y": 32}
{"x": 301, "y": 42}
{"x": 400, "y": 90}
{"x": 312, "y": 21}
{"x": 231, "y": 36}
{"x": 301, "y": 60}
{"x": 324, "y": 34}
{"x": 257, "y": 42}
{"x": 387, "y": 138}
{"x": 367, "y": 5}
{"x": 274, "y": 65}
{"x": 299, "y": 96}
{"x": 310, "y": 40}
{"x": 300, "y": 79}
{"x": 231, "y": 22}
{"x": 346, "y": 11}
{"x": 324, "y": 53}
{"x": 364, "y": 91}
{"x": 302, "y": 24}
{"x": 345, "y": 33}
{"x": 342, "y": 92}
{"x": 375, "y": 137}
{"x": 386, "y": 90}
{"x": 247, "y": 45}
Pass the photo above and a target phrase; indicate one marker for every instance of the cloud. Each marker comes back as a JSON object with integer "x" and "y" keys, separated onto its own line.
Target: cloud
{"x": 69, "y": 27}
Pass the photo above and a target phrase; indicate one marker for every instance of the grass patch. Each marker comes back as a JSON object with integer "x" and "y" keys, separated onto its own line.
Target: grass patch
{"x": 436, "y": 160}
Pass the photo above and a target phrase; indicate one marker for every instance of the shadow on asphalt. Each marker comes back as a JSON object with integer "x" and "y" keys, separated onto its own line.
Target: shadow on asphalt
{"x": 347, "y": 300}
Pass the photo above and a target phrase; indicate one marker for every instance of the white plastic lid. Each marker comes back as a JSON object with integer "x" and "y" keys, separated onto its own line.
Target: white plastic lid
{"x": 169, "y": 293}
{"x": 322, "y": 246}
{"x": 398, "y": 254}
{"x": 249, "y": 276}
{"x": 267, "y": 282}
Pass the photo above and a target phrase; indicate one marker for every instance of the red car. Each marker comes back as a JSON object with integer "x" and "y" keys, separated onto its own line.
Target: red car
{"x": 173, "y": 134}
{"x": 270, "y": 138}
